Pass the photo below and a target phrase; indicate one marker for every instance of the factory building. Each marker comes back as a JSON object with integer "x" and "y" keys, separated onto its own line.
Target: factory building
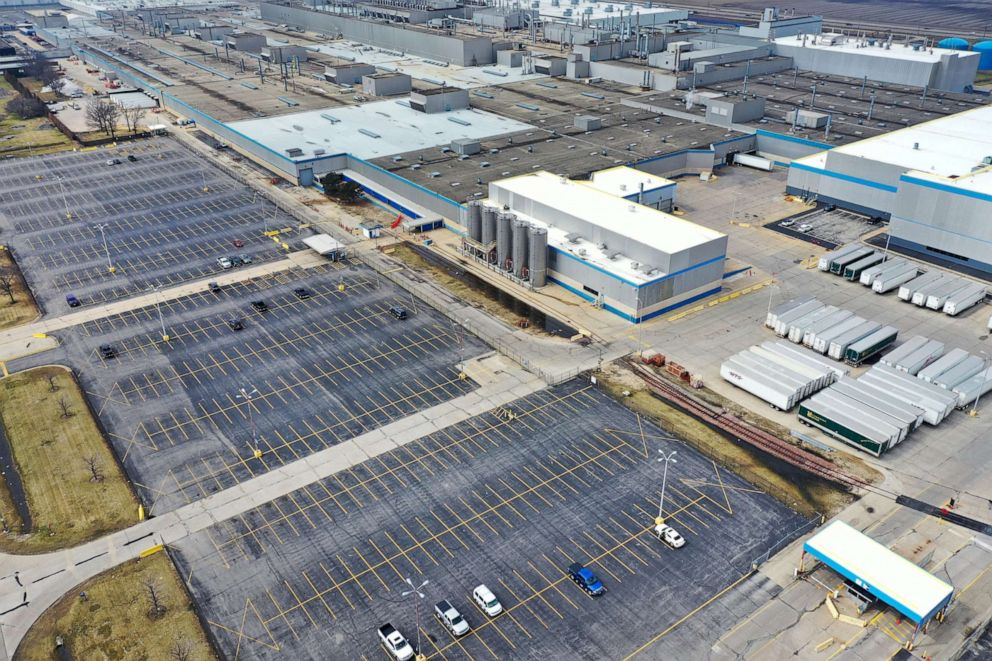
{"x": 632, "y": 260}
{"x": 910, "y": 63}
{"x": 932, "y": 180}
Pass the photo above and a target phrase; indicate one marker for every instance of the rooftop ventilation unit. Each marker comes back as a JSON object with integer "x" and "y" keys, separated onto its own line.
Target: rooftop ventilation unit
{"x": 371, "y": 134}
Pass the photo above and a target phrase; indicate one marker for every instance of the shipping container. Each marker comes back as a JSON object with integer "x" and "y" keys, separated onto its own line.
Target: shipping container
{"x": 838, "y": 265}
{"x": 870, "y": 345}
{"x": 809, "y": 335}
{"x": 875, "y": 397}
{"x": 759, "y": 385}
{"x": 890, "y": 280}
{"x": 973, "y": 388}
{"x": 893, "y": 357}
{"x": 945, "y": 284}
{"x": 922, "y": 357}
{"x": 799, "y": 326}
{"x": 963, "y": 300}
{"x": 853, "y": 271}
{"x": 827, "y": 259}
{"x": 838, "y": 346}
{"x": 953, "y": 358}
{"x": 782, "y": 308}
{"x": 808, "y": 357}
{"x": 844, "y": 428}
{"x": 824, "y": 338}
{"x": 783, "y": 321}
{"x": 868, "y": 276}
{"x": 936, "y": 300}
{"x": 907, "y": 290}
{"x": 936, "y": 402}
{"x": 960, "y": 373}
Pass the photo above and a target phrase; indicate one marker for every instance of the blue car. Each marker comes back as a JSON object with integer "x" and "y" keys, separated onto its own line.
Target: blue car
{"x": 72, "y": 301}
{"x": 585, "y": 579}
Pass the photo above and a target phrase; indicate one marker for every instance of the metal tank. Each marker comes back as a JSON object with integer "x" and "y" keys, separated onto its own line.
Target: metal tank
{"x": 538, "y": 258}
{"x": 488, "y": 233}
{"x": 504, "y": 238}
{"x": 474, "y": 221}
{"x": 520, "y": 240}
{"x": 985, "y": 48}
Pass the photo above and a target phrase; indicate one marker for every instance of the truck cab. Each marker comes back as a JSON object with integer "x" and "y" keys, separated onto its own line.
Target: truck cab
{"x": 449, "y": 616}
{"x": 395, "y": 643}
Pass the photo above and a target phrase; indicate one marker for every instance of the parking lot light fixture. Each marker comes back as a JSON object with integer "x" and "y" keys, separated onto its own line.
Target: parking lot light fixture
{"x": 106, "y": 248}
{"x": 203, "y": 178}
{"x": 417, "y": 590}
{"x": 665, "y": 459}
{"x": 158, "y": 306}
{"x": 247, "y": 394}
{"x": 65, "y": 201}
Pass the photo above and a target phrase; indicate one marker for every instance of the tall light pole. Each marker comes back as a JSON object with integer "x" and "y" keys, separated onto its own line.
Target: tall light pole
{"x": 665, "y": 459}
{"x": 246, "y": 394}
{"x": 106, "y": 248}
{"x": 416, "y": 590}
{"x": 158, "y": 306}
{"x": 65, "y": 201}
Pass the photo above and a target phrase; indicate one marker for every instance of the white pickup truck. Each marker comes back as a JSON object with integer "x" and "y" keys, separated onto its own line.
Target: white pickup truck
{"x": 395, "y": 643}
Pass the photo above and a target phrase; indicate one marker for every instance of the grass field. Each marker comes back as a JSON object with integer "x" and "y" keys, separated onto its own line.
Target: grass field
{"x": 114, "y": 622}
{"x": 26, "y": 137}
{"x": 52, "y": 454}
{"x": 23, "y": 309}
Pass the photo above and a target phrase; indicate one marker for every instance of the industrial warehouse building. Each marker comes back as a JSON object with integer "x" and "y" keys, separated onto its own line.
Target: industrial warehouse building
{"x": 632, "y": 260}
{"x": 933, "y": 181}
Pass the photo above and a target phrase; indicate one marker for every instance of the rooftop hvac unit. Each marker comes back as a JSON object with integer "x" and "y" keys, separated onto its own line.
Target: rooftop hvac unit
{"x": 572, "y": 237}
{"x": 612, "y": 255}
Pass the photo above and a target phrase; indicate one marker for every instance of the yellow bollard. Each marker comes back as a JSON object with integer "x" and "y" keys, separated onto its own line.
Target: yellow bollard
{"x": 341, "y": 287}
{"x": 258, "y": 453}
{"x": 141, "y": 512}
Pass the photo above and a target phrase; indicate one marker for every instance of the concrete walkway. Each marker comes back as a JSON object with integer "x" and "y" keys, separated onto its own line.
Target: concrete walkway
{"x": 25, "y": 340}
{"x": 31, "y": 584}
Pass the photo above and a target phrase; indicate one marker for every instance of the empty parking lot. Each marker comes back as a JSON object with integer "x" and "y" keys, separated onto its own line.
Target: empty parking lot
{"x": 510, "y": 499}
{"x": 186, "y": 416}
{"x": 166, "y": 217}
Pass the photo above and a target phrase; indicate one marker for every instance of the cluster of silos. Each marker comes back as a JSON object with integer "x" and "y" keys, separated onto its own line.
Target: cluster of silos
{"x": 521, "y": 248}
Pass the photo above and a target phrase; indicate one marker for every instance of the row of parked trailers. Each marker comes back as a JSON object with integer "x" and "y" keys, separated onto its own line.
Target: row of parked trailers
{"x": 935, "y": 290}
{"x": 966, "y": 375}
{"x": 780, "y": 373}
{"x": 826, "y": 329}
{"x": 879, "y": 410}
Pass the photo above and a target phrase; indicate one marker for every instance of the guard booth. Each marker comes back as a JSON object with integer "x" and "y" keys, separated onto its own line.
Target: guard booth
{"x": 876, "y": 572}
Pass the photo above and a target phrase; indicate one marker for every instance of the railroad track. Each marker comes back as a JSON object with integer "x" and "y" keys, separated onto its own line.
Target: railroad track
{"x": 745, "y": 432}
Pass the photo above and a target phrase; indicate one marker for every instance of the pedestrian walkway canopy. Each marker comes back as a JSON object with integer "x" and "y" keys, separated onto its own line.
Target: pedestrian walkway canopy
{"x": 913, "y": 591}
{"x": 325, "y": 245}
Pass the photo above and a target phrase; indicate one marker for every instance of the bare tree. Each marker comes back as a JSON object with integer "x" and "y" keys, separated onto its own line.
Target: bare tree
{"x": 157, "y": 609}
{"x": 57, "y": 85}
{"x": 103, "y": 115}
{"x": 7, "y": 282}
{"x": 52, "y": 384}
{"x": 93, "y": 464}
{"x": 66, "y": 407}
{"x": 182, "y": 650}
{"x": 132, "y": 116}
{"x": 26, "y": 107}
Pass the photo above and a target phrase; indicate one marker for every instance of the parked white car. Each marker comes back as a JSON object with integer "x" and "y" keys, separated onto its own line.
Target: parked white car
{"x": 487, "y": 601}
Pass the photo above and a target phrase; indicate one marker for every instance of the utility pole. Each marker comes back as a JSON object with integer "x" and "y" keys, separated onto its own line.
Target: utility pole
{"x": 985, "y": 363}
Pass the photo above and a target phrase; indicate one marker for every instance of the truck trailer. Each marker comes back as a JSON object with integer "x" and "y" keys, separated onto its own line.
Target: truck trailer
{"x": 784, "y": 320}
{"x": 824, "y": 338}
{"x": 945, "y": 285}
{"x": 953, "y": 358}
{"x": 922, "y": 357}
{"x": 853, "y": 271}
{"x": 809, "y": 335}
{"x": 895, "y": 278}
{"x": 838, "y": 265}
{"x": 782, "y": 308}
{"x": 799, "y": 328}
{"x": 868, "y": 276}
{"x": 827, "y": 259}
{"x": 900, "y": 352}
{"x": 907, "y": 290}
{"x": 870, "y": 345}
{"x": 838, "y": 346}
{"x": 962, "y": 300}
{"x": 847, "y": 429}
{"x": 936, "y": 300}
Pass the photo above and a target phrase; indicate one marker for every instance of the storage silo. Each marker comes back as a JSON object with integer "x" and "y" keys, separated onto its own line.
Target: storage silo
{"x": 504, "y": 238}
{"x": 538, "y": 258}
{"x": 985, "y": 60}
{"x": 953, "y": 43}
{"x": 474, "y": 221}
{"x": 488, "y": 234}
{"x": 520, "y": 240}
